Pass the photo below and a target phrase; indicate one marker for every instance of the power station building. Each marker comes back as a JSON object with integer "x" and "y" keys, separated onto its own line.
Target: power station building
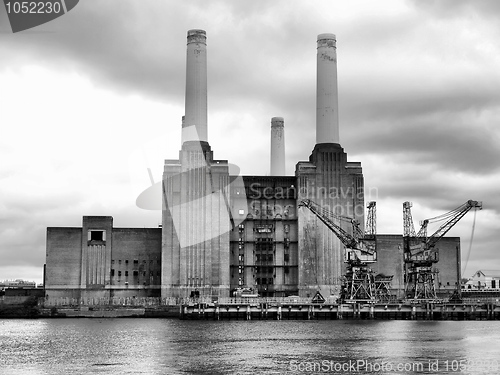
{"x": 222, "y": 231}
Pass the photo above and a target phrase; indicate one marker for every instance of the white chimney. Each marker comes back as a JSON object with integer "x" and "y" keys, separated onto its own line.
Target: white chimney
{"x": 195, "y": 120}
{"x": 277, "y": 146}
{"x": 327, "y": 107}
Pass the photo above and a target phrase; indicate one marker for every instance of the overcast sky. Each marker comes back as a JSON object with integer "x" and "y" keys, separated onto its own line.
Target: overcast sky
{"x": 91, "y": 100}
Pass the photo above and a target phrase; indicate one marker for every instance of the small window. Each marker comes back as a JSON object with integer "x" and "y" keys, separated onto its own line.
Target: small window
{"x": 97, "y": 235}
{"x": 126, "y": 273}
{"x": 126, "y": 261}
{"x": 286, "y": 257}
{"x": 112, "y": 261}
{"x": 143, "y": 273}
{"x": 136, "y": 261}
{"x": 136, "y": 273}
{"x": 287, "y": 269}
{"x": 112, "y": 272}
{"x": 119, "y": 261}
{"x": 119, "y": 273}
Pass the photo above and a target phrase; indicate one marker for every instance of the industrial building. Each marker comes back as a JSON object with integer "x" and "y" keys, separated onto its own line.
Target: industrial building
{"x": 221, "y": 231}
{"x": 483, "y": 280}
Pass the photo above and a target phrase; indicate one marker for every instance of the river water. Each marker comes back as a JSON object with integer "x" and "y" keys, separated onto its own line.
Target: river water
{"x": 170, "y": 346}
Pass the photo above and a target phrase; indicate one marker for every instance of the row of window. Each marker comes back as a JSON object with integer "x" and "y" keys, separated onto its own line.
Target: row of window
{"x": 264, "y": 269}
{"x": 134, "y": 273}
{"x": 241, "y": 242}
{"x": 264, "y": 257}
{"x": 260, "y": 280}
{"x": 267, "y": 228}
{"x": 265, "y": 281}
{"x": 136, "y": 262}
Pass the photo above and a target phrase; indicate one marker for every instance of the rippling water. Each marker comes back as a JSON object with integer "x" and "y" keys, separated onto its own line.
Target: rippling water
{"x": 170, "y": 346}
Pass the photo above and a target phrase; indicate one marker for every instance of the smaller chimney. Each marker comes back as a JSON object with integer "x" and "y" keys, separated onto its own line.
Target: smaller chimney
{"x": 277, "y": 146}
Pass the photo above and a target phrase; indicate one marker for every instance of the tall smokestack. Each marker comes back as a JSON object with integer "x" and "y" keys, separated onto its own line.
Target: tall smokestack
{"x": 194, "y": 127}
{"x": 277, "y": 146}
{"x": 327, "y": 107}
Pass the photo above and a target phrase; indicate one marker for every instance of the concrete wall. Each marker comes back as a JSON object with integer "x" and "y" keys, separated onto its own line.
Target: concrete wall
{"x": 331, "y": 181}
{"x": 79, "y": 264}
{"x": 136, "y": 262}
{"x": 449, "y": 264}
{"x": 196, "y": 224}
{"x": 63, "y": 258}
{"x": 390, "y": 262}
{"x": 96, "y": 247}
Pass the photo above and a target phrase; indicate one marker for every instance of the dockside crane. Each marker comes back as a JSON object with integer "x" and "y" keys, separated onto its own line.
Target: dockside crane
{"x": 382, "y": 282}
{"x": 359, "y": 252}
{"x": 371, "y": 220}
{"x": 420, "y": 252}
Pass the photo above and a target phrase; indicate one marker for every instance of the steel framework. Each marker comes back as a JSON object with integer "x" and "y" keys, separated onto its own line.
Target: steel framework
{"x": 359, "y": 251}
{"x": 420, "y": 253}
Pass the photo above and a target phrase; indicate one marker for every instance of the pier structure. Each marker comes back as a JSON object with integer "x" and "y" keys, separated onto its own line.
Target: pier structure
{"x": 274, "y": 309}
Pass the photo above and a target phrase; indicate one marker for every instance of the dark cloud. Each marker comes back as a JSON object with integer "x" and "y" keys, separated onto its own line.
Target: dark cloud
{"x": 441, "y": 145}
{"x": 459, "y": 8}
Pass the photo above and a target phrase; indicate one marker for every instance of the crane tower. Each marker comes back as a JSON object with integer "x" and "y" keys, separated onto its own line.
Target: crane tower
{"x": 420, "y": 251}
{"x": 359, "y": 252}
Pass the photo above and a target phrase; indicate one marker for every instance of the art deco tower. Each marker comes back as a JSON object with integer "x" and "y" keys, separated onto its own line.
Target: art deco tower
{"x": 329, "y": 180}
{"x": 196, "y": 216}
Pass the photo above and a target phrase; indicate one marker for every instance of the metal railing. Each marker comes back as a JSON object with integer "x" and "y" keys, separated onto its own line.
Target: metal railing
{"x": 171, "y": 301}
{"x": 481, "y": 301}
{"x": 110, "y": 301}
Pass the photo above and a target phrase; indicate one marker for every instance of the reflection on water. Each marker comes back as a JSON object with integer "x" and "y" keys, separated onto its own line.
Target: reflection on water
{"x": 169, "y": 346}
